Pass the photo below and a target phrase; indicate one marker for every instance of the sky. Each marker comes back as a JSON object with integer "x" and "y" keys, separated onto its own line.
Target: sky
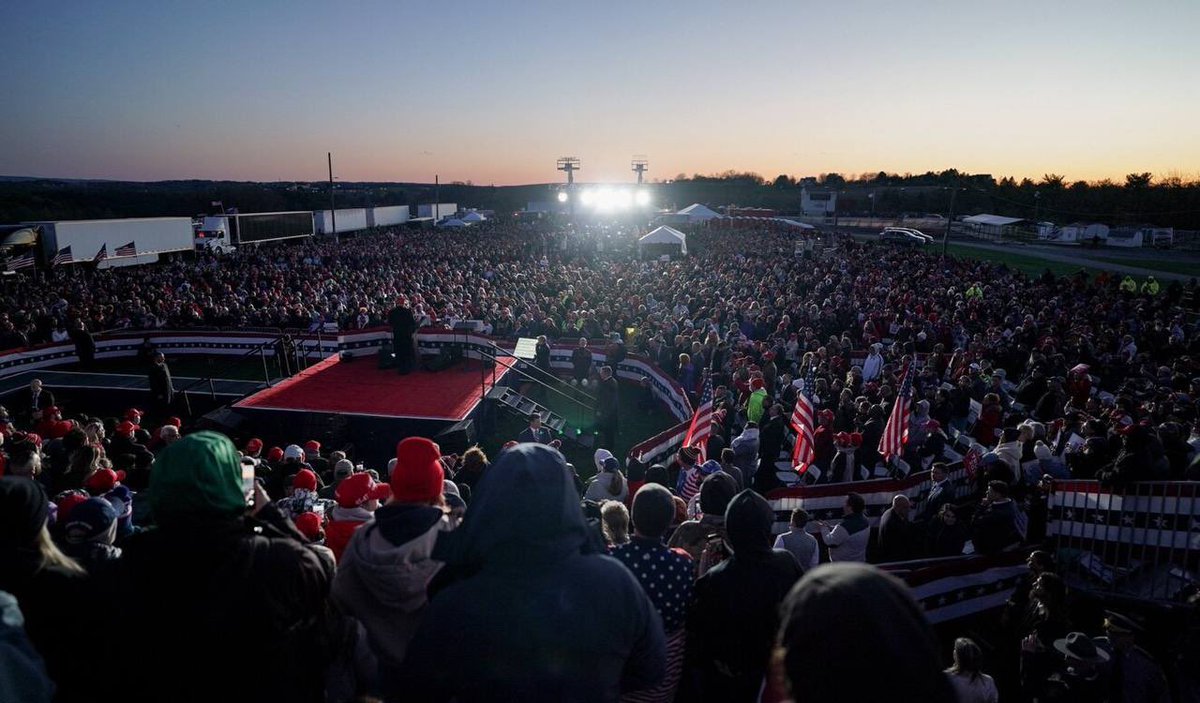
{"x": 494, "y": 92}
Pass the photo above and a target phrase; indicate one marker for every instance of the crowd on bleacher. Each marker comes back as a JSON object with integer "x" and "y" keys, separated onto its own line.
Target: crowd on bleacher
{"x": 202, "y": 570}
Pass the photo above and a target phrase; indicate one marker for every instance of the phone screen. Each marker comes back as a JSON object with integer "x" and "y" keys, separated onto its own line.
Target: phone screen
{"x": 248, "y": 482}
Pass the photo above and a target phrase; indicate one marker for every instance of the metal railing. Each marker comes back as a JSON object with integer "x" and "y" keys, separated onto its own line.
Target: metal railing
{"x": 1139, "y": 541}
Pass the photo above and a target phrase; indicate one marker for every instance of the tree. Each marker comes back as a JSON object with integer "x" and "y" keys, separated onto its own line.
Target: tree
{"x": 1138, "y": 180}
{"x": 1053, "y": 180}
{"x": 784, "y": 181}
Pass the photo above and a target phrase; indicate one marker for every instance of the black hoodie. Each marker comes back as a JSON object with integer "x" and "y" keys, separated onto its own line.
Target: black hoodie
{"x": 735, "y": 613}
{"x": 852, "y": 633}
{"x": 538, "y": 618}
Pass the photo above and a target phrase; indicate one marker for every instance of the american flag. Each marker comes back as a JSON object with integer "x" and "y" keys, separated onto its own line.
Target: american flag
{"x": 896, "y": 433}
{"x": 21, "y": 262}
{"x": 802, "y": 423}
{"x": 102, "y": 254}
{"x": 701, "y": 427}
{"x": 129, "y": 249}
{"x": 62, "y": 257}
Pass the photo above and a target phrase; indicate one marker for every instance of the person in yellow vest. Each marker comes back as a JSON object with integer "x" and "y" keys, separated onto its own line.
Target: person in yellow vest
{"x": 1150, "y": 286}
{"x": 975, "y": 291}
{"x": 754, "y": 406}
{"x": 1128, "y": 285}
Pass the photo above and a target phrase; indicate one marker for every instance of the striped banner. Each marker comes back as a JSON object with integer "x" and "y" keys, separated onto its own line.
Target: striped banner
{"x": 824, "y": 501}
{"x": 1158, "y": 514}
{"x": 957, "y": 587}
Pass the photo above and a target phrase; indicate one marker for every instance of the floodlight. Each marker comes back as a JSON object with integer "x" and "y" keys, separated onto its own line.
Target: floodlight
{"x": 587, "y": 197}
{"x": 642, "y": 198}
{"x": 562, "y": 197}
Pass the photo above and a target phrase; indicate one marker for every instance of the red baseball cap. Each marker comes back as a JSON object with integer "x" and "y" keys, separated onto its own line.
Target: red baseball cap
{"x": 134, "y": 415}
{"x": 359, "y": 488}
{"x": 309, "y": 525}
{"x": 312, "y": 445}
{"x": 305, "y": 479}
{"x": 275, "y": 454}
{"x": 254, "y": 446}
{"x": 103, "y": 480}
{"x": 126, "y": 428}
{"x": 65, "y": 503}
{"x": 176, "y": 422}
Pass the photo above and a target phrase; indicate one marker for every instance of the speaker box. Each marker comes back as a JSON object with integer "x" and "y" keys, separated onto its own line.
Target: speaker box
{"x": 457, "y": 438}
{"x": 445, "y": 359}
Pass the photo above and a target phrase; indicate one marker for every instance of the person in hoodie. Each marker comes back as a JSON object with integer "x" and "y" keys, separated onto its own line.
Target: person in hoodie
{"x": 734, "y": 616}
{"x": 847, "y": 541}
{"x": 745, "y": 452}
{"x": 608, "y": 483}
{"x": 387, "y": 565}
{"x": 540, "y": 615}
{"x": 358, "y": 497}
{"x": 213, "y": 585}
{"x": 852, "y": 633}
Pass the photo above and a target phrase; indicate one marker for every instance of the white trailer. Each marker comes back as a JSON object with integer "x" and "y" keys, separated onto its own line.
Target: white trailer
{"x": 436, "y": 210}
{"x": 384, "y": 216}
{"x": 150, "y": 237}
{"x": 348, "y": 220}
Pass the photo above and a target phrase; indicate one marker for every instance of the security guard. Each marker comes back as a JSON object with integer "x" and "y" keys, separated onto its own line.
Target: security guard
{"x": 1133, "y": 675}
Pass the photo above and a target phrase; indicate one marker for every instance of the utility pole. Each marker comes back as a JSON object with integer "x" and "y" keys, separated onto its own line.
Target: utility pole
{"x": 949, "y": 221}
{"x": 437, "y": 198}
{"x": 332, "y": 207}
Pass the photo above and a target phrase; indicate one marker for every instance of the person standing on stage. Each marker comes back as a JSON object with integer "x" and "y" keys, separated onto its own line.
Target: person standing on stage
{"x": 85, "y": 345}
{"x": 606, "y": 407}
{"x": 404, "y": 326}
{"x": 162, "y": 391}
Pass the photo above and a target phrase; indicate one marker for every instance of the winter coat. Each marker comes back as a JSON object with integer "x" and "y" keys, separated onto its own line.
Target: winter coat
{"x": 383, "y": 574}
{"x": 847, "y": 540}
{"x": 211, "y": 594}
{"x": 745, "y": 450}
{"x": 735, "y": 614}
{"x": 995, "y": 527}
{"x": 547, "y": 619}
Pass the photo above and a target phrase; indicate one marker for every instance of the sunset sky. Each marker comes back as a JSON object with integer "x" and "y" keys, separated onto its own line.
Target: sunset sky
{"x": 493, "y": 92}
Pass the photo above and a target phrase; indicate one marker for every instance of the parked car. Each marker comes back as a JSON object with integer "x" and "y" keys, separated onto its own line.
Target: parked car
{"x": 910, "y": 230}
{"x": 903, "y": 237}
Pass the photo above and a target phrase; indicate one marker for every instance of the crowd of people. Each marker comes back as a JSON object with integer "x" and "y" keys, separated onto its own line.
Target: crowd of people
{"x": 445, "y": 577}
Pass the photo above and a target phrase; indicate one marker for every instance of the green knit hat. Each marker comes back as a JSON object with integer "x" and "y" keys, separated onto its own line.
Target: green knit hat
{"x": 198, "y": 477}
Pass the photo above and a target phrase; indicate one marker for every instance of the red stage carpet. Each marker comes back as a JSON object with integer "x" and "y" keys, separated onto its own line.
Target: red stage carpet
{"x": 359, "y": 387}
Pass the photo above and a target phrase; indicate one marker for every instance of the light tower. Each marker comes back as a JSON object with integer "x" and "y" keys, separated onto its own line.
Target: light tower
{"x": 569, "y": 165}
{"x": 640, "y": 165}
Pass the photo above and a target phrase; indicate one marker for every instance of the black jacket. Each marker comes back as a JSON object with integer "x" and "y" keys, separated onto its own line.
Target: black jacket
{"x": 770, "y": 442}
{"x": 606, "y": 399}
{"x": 897, "y": 538}
{"x": 735, "y": 613}
{"x": 245, "y": 609}
{"x": 161, "y": 388}
{"x": 538, "y": 618}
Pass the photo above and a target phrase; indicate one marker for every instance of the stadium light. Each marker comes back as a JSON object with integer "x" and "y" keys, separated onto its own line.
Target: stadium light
{"x": 562, "y": 197}
{"x": 642, "y": 198}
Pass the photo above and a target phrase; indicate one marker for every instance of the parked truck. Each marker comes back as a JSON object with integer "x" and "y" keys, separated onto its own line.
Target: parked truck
{"x": 125, "y": 242}
{"x": 224, "y": 233}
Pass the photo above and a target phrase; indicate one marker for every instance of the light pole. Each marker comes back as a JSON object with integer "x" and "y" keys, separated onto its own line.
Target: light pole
{"x": 871, "y": 197}
{"x": 332, "y": 207}
{"x": 949, "y": 221}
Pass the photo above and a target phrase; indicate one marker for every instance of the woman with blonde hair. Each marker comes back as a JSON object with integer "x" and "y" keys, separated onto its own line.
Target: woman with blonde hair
{"x": 44, "y": 581}
{"x": 615, "y": 522}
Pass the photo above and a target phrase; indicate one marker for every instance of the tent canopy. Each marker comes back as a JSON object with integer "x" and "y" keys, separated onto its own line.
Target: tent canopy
{"x": 992, "y": 220}
{"x": 698, "y": 213}
{"x": 453, "y": 222}
{"x": 473, "y": 217}
{"x": 20, "y": 236}
{"x": 665, "y": 235}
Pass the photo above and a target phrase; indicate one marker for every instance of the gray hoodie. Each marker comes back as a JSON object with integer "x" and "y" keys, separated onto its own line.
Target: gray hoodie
{"x": 384, "y": 572}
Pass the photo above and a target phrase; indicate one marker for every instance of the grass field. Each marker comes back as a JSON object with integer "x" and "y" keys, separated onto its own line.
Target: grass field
{"x": 1029, "y": 264}
{"x": 1185, "y": 267}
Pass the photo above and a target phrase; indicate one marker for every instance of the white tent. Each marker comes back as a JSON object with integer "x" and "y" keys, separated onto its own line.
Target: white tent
{"x": 698, "y": 213}
{"x": 473, "y": 217}
{"x": 453, "y": 222}
{"x": 664, "y": 238}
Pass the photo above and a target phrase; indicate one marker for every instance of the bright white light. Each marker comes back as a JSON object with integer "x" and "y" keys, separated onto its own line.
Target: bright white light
{"x": 587, "y": 197}
{"x": 642, "y": 198}
{"x": 562, "y": 197}
{"x": 624, "y": 199}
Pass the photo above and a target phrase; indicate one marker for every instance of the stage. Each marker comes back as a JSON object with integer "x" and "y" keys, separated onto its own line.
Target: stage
{"x": 360, "y": 387}
{"x": 357, "y": 406}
